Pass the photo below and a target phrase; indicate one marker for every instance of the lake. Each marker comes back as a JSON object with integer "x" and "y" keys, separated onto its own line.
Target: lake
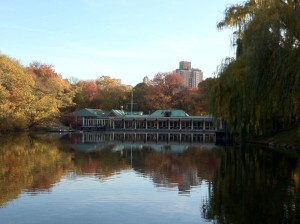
{"x": 144, "y": 178}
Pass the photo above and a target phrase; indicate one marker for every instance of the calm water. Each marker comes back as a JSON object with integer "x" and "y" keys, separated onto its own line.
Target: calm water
{"x": 139, "y": 178}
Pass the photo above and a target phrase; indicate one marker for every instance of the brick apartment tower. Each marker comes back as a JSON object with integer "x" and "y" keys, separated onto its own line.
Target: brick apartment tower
{"x": 191, "y": 76}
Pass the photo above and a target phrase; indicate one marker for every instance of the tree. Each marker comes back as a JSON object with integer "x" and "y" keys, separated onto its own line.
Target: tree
{"x": 106, "y": 82}
{"x": 16, "y": 94}
{"x": 140, "y": 92}
{"x": 193, "y": 101}
{"x": 162, "y": 91}
{"x": 259, "y": 92}
{"x": 111, "y": 94}
{"x": 53, "y": 94}
{"x": 85, "y": 93}
{"x": 89, "y": 89}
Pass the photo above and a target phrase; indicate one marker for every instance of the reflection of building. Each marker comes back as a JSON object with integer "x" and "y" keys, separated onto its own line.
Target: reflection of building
{"x": 191, "y": 76}
{"x": 182, "y": 178}
{"x": 171, "y": 160}
{"x": 160, "y": 141}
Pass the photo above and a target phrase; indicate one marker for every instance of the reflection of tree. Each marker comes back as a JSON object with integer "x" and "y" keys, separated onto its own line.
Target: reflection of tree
{"x": 34, "y": 164}
{"x": 103, "y": 163}
{"x": 167, "y": 169}
{"x": 182, "y": 170}
{"x": 29, "y": 164}
{"x": 254, "y": 186}
{"x": 93, "y": 158}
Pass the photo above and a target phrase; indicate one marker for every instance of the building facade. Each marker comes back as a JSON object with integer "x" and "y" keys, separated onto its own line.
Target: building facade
{"x": 191, "y": 76}
{"x": 160, "y": 120}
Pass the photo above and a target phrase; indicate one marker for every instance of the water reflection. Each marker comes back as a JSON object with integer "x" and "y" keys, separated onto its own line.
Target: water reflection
{"x": 254, "y": 185}
{"x": 27, "y": 164}
{"x": 170, "y": 160}
{"x": 36, "y": 163}
{"x": 245, "y": 184}
{"x": 173, "y": 142}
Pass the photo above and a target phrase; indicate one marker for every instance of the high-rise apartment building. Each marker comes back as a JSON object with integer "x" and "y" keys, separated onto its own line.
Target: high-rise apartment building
{"x": 185, "y": 65}
{"x": 191, "y": 76}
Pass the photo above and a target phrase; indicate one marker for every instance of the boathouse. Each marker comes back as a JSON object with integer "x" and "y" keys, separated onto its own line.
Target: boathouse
{"x": 160, "y": 120}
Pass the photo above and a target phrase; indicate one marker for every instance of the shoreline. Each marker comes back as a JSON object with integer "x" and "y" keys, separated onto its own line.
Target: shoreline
{"x": 284, "y": 140}
{"x": 275, "y": 145}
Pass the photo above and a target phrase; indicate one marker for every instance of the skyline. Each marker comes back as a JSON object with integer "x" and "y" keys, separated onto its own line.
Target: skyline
{"x": 124, "y": 39}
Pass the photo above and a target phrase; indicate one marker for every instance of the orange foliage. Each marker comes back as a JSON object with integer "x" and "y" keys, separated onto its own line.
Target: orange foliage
{"x": 89, "y": 88}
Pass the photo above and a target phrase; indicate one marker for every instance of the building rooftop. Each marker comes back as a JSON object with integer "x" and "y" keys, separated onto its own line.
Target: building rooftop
{"x": 87, "y": 112}
{"x": 116, "y": 113}
{"x": 169, "y": 113}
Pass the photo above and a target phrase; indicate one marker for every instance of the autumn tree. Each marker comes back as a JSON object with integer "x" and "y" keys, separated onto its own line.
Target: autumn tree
{"x": 163, "y": 89}
{"x": 90, "y": 89}
{"x": 85, "y": 93}
{"x": 196, "y": 101}
{"x": 16, "y": 94}
{"x": 111, "y": 93}
{"x": 53, "y": 94}
{"x": 193, "y": 101}
{"x": 105, "y": 82}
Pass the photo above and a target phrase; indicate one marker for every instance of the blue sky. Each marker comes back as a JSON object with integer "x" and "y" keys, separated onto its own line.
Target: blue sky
{"x": 126, "y": 39}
